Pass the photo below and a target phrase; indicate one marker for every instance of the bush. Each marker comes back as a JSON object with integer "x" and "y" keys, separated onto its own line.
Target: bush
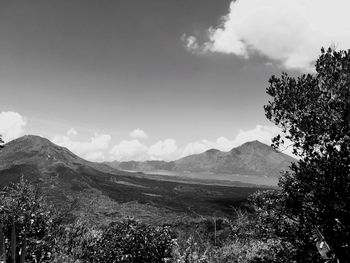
{"x": 129, "y": 241}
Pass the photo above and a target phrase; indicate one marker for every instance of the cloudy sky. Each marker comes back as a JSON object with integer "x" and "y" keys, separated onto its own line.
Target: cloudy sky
{"x": 154, "y": 79}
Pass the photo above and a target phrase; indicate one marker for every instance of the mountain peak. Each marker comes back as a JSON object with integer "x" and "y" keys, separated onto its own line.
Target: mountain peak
{"x": 41, "y": 152}
{"x": 33, "y": 146}
{"x": 255, "y": 142}
{"x": 212, "y": 151}
{"x": 31, "y": 139}
{"x": 253, "y": 145}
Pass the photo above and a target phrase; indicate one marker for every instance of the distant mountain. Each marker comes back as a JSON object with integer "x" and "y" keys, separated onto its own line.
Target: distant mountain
{"x": 79, "y": 185}
{"x": 251, "y": 158}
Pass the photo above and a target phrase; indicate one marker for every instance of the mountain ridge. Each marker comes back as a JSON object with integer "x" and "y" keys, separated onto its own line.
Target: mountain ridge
{"x": 250, "y": 158}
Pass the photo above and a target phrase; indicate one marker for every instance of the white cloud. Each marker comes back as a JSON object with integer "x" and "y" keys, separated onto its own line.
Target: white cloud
{"x": 72, "y": 132}
{"x": 12, "y": 125}
{"x": 163, "y": 150}
{"x": 138, "y": 134}
{"x": 91, "y": 149}
{"x": 95, "y": 156}
{"x": 224, "y": 144}
{"x": 130, "y": 150}
{"x": 191, "y": 44}
{"x": 288, "y": 31}
{"x": 136, "y": 151}
{"x": 221, "y": 143}
{"x": 196, "y": 147}
{"x": 262, "y": 133}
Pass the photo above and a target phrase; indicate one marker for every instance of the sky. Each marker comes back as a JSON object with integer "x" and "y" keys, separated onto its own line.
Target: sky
{"x": 154, "y": 79}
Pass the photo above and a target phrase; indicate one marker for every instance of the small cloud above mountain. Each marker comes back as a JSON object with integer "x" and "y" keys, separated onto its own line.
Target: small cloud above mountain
{"x": 91, "y": 149}
{"x": 138, "y": 134}
{"x": 12, "y": 125}
{"x": 163, "y": 150}
{"x": 136, "y": 151}
{"x": 129, "y": 150}
{"x": 72, "y": 132}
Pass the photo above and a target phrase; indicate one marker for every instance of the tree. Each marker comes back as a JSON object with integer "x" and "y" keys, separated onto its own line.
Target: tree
{"x": 313, "y": 111}
{"x": 23, "y": 206}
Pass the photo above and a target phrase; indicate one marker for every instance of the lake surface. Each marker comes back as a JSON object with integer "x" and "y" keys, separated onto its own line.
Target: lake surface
{"x": 250, "y": 179}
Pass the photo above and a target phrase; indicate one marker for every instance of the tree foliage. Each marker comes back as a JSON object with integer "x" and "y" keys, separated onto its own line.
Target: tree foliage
{"x": 23, "y": 206}
{"x": 313, "y": 111}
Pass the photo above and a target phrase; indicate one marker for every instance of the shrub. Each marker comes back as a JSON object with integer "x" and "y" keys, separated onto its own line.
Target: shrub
{"x": 129, "y": 241}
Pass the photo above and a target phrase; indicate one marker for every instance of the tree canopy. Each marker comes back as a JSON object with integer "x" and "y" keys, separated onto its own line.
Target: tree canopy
{"x": 313, "y": 111}
{"x": 23, "y": 206}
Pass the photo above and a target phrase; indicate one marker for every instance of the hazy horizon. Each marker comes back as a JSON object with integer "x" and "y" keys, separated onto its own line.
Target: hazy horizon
{"x": 139, "y": 80}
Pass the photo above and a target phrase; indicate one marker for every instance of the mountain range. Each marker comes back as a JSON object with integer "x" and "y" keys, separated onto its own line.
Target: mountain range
{"x": 99, "y": 189}
{"x": 251, "y": 158}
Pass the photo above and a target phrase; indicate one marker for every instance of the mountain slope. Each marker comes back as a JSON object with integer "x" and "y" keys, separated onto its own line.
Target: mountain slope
{"x": 251, "y": 158}
{"x": 58, "y": 171}
{"x": 31, "y": 149}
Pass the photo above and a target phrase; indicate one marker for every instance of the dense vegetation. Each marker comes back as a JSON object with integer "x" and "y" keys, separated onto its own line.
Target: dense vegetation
{"x": 46, "y": 236}
{"x": 306, "y": 220}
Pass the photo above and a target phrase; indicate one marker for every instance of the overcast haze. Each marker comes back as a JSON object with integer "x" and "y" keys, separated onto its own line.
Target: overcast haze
{"x": 154, "y": 79}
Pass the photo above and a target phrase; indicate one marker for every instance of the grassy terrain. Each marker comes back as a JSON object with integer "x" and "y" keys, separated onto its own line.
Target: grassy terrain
{"x": 129, "y": 194}
{"x": 175, "y": 196}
